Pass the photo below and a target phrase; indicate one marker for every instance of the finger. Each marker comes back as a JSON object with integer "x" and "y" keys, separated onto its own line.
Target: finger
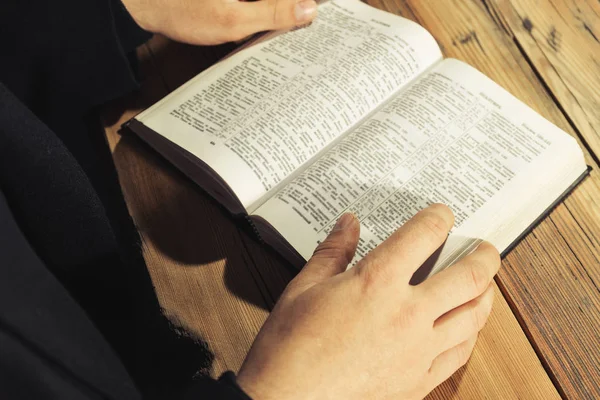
{"x": 462, "y": 282}
{"x": 265, "y": 15}
{"x": 450, "y": 361}
{"x": 410, "y": 246}
{"x": 333, "y": 255}
{"x": 465, "y": 321}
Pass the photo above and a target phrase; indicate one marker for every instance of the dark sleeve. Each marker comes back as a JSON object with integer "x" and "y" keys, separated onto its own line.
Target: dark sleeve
{"x": 49, "y": 346}
{"x": 49, "y": 349}
{"x": 57, "y": 56}
{"x": 67, "y": 52}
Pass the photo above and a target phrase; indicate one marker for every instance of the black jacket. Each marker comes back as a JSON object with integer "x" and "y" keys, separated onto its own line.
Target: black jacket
{"x": 78, "y": 315}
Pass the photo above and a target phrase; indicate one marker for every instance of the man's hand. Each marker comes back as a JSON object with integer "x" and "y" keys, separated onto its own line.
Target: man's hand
{"x": 366, "y": 333}
{"x": 206, "y": 22}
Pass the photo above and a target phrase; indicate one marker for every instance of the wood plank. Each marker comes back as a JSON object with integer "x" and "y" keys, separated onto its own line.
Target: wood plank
{"x": 564, "y": 50}
{"x": 202, "y": 293}
{"x": 554, "y": 271}
{"x": 503, "y": 365}
{"x": 561, "y": 38}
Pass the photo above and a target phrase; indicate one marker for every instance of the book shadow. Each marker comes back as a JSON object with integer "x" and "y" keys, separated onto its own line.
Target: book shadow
{"x": 185, "y": 224}
{"x": 182, "y": 228}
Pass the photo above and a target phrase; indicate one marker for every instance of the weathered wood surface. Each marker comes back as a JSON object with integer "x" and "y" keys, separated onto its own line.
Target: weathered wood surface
{"x": 215, "y": 282}
{"x": 552, "y": 278}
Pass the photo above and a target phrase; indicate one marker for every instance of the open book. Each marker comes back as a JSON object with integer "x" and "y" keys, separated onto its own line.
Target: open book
{"x": 358, "y": 112}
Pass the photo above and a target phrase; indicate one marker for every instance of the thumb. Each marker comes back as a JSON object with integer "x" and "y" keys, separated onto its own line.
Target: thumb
{"x": 333, "y": 255}
{"x": 266, "y": 15}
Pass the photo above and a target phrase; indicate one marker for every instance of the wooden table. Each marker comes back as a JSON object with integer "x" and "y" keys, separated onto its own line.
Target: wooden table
{"x": 542, "y": 340}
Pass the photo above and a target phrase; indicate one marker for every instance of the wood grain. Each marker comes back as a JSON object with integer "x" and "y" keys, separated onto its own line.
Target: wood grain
{"x": 561, "y": 40}
{"x": 215, "y": 282}
{"x": 551, "y": 279}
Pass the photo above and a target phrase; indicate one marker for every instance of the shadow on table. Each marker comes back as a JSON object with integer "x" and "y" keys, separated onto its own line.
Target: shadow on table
{"x": 189, "y": 227}
{"x": 190, "y": 230}
{"x": 160, "y": 358}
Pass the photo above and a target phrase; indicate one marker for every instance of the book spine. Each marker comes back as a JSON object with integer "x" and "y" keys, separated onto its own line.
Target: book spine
{"x": 254, "y": 229}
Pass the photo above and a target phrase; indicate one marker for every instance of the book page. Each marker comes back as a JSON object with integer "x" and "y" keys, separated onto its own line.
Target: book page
{"x": 260, "y": 115}
{"x": 452, "y": 137}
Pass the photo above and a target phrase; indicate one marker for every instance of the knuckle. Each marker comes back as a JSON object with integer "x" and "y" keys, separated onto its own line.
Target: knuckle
{"x": 409, "y": 313}
{"x": 434, "y": 225}
{"x": 328, "y": 247}
{"x": 463, "y": 356}
{"x": 486, "y": 309}
{"x": 367, "y": 274}
{"x": 328, "y": 250}
{"x": 489, "y": 255}
{"x": 493, "y": 255}
{"x": 371, "y": 277}
{"x": 477, "y": 278}
{"x": 479, "y": 316}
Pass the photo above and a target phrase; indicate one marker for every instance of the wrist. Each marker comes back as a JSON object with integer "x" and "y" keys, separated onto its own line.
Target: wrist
{"x": 271, "y": 386}
{"x": 248, "y": 385}
{"x": 256, "y": 387}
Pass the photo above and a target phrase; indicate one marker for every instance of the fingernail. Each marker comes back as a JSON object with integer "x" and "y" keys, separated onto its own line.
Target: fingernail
{"x": 344, "y": 222}
{"x": 305, "y": 10}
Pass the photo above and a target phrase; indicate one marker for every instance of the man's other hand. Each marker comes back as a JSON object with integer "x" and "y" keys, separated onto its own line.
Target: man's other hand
{"x": 207, "y": 22}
